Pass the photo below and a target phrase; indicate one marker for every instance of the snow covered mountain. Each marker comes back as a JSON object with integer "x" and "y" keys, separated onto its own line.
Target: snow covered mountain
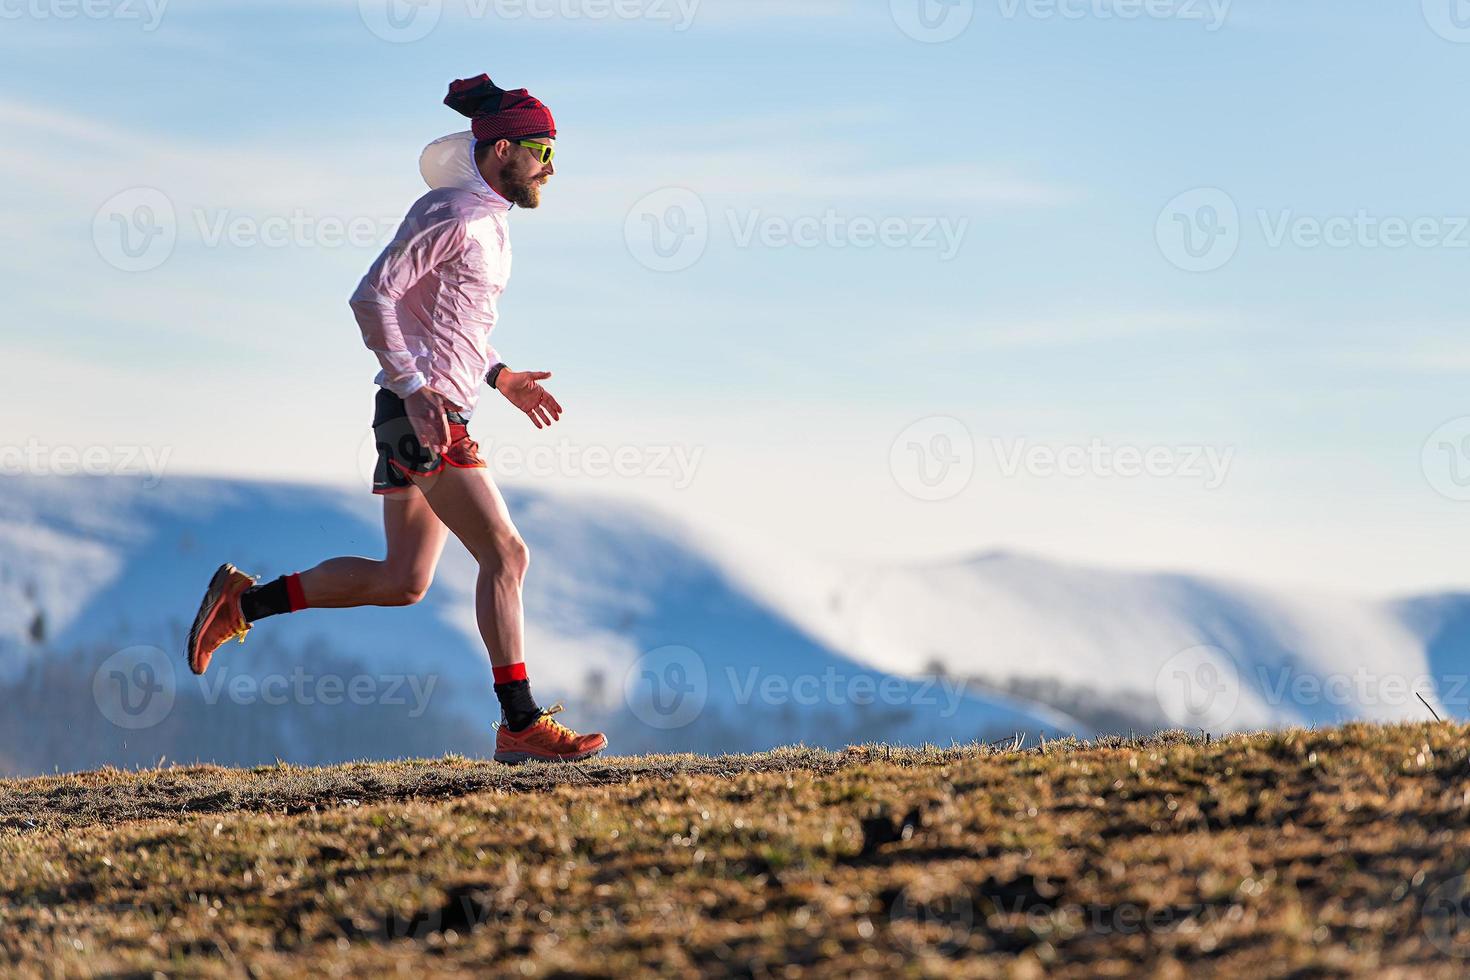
{"x": 1150, "y": 649}
{"x": 667, "y": 640}
{"x": 629, "y": 619}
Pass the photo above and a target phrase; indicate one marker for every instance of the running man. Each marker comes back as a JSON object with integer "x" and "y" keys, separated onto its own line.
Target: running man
{"x": 426, "y": 309}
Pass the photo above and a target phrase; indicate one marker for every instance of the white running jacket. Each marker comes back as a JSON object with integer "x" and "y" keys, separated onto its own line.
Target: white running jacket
{"x": 429, "y": 302}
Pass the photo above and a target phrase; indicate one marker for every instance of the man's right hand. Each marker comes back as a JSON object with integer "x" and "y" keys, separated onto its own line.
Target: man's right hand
{"x": 426, "y": 415}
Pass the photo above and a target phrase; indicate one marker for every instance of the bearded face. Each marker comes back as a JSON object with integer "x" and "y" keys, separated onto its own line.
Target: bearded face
{"x": 524, "y": 177}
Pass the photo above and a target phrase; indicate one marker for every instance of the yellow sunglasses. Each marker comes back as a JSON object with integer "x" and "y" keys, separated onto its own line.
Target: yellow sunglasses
{"x": 544, "y": 152}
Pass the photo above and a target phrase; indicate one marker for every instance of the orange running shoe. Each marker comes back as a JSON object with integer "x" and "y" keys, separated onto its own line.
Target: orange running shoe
{"x": 220, "y": 619}
{"x": 546, "y": 740}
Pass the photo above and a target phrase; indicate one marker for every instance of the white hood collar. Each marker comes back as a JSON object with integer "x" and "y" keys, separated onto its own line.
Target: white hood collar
{"x": 449, "y": 161}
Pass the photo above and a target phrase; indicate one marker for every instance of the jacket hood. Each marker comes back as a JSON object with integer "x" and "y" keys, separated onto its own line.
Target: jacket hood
{"x": 449, "y": 161}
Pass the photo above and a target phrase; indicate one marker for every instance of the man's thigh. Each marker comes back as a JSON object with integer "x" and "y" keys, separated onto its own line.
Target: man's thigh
{"x": 469, "y": 503}
{"x": 415, "y": 534}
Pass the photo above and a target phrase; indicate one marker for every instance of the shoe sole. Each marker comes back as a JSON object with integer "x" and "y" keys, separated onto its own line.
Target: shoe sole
{"x": 211, "y": 597}
{"x": 516, "y": 758}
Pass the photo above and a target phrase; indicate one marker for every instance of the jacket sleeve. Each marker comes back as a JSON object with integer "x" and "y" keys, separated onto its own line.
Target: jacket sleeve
{"x": 406, "y": 260}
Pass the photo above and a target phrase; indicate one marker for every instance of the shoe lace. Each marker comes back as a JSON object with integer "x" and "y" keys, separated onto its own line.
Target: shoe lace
{"x": 239, "y": 631}
{"x": 555, "y": 725}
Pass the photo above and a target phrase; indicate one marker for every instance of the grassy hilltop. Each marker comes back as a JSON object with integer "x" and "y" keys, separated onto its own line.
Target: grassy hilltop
{"x": 1305, "y": 853}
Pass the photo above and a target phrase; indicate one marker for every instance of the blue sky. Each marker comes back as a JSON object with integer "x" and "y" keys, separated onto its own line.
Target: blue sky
{"x": 814, "y": 385}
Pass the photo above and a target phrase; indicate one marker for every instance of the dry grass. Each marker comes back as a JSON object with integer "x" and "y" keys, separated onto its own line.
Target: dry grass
{"x": 1307, "y": 853}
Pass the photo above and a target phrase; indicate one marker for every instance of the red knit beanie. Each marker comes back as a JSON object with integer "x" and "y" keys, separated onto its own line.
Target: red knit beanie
{"x": 497, "y": 114}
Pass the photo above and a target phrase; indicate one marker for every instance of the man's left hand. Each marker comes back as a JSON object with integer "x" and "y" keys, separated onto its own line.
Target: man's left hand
{"x": 523, "y": 390}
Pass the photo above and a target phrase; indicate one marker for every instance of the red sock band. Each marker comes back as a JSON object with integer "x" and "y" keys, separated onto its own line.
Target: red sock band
{"x": 515, "y": 672}
{"x": 294, "y": 595}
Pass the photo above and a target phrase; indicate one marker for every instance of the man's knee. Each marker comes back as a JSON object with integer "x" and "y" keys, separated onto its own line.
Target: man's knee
{"x": 407, "y": 589}
{"x": 512, "y": 556}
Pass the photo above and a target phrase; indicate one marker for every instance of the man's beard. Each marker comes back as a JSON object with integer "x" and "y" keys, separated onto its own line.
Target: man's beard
{"x": 523, "y": 192}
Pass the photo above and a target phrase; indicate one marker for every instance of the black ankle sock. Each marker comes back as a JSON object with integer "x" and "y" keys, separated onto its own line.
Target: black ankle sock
{"x": 516, "y": 703}
{"x": 270, "y": 599}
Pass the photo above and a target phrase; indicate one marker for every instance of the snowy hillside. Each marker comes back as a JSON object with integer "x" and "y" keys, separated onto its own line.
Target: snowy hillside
{"x": 1161, "y": 648}
{"x": 667, "y": 641}
{"x": 628, "y": 618}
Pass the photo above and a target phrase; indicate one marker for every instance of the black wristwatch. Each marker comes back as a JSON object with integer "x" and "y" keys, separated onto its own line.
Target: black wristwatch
{"x": 494, "y": 373}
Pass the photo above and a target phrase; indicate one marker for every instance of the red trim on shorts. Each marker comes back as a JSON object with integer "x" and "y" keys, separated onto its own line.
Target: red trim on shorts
{"x": 407, "y": 472}
{"x": 513, "y": 672}
{"x": 294, "y": 593}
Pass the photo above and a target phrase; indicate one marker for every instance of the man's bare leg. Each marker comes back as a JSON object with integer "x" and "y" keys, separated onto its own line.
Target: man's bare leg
{"x": 469, "y": 504}
{"x": 415, "y": 542}
{"x": 233, "y": 600}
